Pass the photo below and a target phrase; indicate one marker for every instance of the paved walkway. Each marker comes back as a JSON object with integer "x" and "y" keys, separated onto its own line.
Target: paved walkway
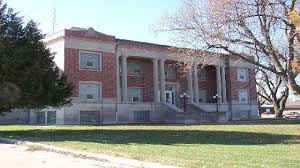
{"x": 20, "y": 156}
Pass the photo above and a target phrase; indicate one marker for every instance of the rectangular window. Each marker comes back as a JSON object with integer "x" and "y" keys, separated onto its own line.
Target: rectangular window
{"x": 202, "y": 96}
{"x": 242, "y": 74}
{"x": 89, "y": 92}
{"x": 170, "y": 71}
{"x": 134, "y": 67}
{"x": 90, "y": 60}
{"x": 135, "y": 95}
{"x": 142, "y": 116}
{"x": 88, "y": 117}
{"x": 201, "y": 75}
{"x": 243, "y": 97}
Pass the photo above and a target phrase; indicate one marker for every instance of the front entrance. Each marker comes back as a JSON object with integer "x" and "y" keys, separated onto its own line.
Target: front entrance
{"x": 170, "y": 94}
{"x": 170, "y": 97}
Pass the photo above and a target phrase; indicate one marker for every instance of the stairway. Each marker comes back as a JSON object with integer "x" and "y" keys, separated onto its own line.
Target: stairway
{"x": 174, "y": 113}
{"x": 193, "y": 114}
{"x": 196, "y": 114}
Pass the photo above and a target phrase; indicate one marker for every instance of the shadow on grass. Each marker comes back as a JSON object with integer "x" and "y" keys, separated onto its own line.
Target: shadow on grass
{"x": 154, "y": 137}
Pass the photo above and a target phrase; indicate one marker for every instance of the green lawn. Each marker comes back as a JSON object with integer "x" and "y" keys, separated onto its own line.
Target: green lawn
{"x": 236, "y": 145}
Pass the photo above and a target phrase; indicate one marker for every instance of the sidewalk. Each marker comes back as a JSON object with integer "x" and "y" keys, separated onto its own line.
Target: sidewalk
{"x": 18, "y": 156}
{"x": 22, "y": 154}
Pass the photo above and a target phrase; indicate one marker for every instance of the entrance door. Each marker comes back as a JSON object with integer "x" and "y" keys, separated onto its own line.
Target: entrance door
{"x": 170, "y": 97}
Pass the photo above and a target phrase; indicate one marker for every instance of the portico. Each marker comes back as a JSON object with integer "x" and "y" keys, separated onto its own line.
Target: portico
{"x": 160, "y": 93}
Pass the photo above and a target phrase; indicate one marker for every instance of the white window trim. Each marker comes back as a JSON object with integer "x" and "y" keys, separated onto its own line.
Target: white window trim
{"x": 167, "y": 74}
{"x": 100, "y": 92}
{"x": 91, "y": 52}
{"x": 134, "y": 74}
{"x": 246, "y": 77}
{"x": 248, "y": 97}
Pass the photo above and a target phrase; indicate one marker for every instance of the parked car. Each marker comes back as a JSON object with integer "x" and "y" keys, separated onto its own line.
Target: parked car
{"x": 291, "y": 115}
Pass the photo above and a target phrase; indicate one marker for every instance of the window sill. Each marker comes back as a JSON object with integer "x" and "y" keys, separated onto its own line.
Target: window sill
{"x": 89, "y": 102}
{"x": 134, "y": 75}
{"x": 242, "y": 80}
{"x": 88, "y": 69}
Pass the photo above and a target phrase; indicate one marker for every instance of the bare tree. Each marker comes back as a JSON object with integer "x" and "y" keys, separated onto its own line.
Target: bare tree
{"x": 242, "y": 29}
{"x": 271, "y": 90}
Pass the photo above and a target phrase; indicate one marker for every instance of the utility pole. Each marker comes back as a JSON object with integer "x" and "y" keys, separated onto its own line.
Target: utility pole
{"x": 54, "y": 20}
{"x": 53, "y": 11}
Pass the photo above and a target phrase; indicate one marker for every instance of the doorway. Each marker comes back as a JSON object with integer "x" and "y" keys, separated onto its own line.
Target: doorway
{"x": 170, "y": 95}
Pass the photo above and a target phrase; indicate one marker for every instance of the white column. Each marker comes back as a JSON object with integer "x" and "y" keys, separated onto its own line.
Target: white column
{"x": 190, "y": 84}
{"x": 118, "y": 80}
{"x": 162, "y": 81}
{"x": 224, "y": 85}
{"x": 196, "y": 84}
{"x": 124, "y": 78}
{"x": 155, "y": 80}
{"x": 219, "y": 81}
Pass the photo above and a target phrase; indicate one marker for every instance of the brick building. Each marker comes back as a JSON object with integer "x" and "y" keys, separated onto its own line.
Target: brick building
{"x": 124, "y": 81}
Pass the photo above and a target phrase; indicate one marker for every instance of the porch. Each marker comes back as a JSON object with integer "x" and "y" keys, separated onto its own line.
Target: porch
{"x": 145, "y": 80}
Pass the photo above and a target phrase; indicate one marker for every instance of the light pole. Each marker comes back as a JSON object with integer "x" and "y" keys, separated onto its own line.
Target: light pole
{"x": 216, "y": 97}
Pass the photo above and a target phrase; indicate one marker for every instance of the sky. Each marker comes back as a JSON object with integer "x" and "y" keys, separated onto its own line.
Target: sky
{"x": 126, "y": 19}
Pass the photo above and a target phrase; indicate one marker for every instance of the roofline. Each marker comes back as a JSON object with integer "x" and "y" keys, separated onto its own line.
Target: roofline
{"x": 61, "y": 34}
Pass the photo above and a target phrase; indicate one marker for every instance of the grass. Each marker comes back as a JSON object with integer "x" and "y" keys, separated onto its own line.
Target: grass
{"x": 268, "y": 144}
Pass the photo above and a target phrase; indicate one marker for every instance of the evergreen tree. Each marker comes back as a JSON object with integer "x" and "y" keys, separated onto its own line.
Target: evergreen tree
{"x": 29, "y": 77}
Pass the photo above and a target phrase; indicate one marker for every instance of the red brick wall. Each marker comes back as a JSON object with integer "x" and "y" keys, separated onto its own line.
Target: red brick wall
{"x": 236, "y": 85}
{"x": 107, "y": 76}
{"x": 144, "y": 81}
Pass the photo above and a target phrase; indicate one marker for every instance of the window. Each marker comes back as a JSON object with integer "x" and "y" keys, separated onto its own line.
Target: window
{"x": 142, "y": 116}
{"x": 88, "y": 117}
{"x": 202, "y": 75}
{"x": 243, "y": 96}
{"x": 134, "y": 94}
{"x": 89, "y": 92}
{"x": 134, "y": 67}
{"x": 90, "y": 60}
{"x": 202, "y": 96}
{"x": 242, "y": 74}
{"x": 170, "y": 71}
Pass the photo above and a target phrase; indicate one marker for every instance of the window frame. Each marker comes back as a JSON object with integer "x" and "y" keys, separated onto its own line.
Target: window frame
{"x": 138, "y": 63}
{"x": 94, "y": 100}
{"x": 90, "y": 68}
{"x": 247, "y": 96}
{"x": 246, "y": 74}
{"x": 167, "y": 70}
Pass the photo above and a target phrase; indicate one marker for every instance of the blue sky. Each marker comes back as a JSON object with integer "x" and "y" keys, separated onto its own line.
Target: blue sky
{"x": 128, "y": 19}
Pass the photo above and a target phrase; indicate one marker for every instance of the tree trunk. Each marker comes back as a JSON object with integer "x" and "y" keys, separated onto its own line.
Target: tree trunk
{"x": 278, "y": 111}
